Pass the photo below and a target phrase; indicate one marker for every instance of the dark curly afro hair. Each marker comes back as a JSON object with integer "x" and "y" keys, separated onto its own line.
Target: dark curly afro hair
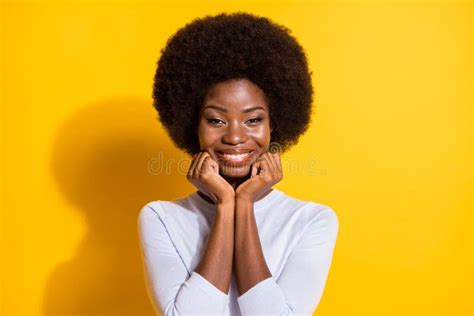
{"x": 227, "y": 46}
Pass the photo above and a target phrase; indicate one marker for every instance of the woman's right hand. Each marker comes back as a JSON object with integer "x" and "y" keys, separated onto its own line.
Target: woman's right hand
{"x": 204, "y": 175}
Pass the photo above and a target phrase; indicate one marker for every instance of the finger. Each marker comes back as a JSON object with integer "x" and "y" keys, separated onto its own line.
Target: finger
{"x": 203, "y": 157}
{"x": 279, "y": 163}
{"x": 255, "y": 167}
{"x": 276, "y": 162}
{"x": 208, "y": 165}
{"x": 193, "y": 164}
{"x": 268, "y": 163}
{"x": 271, "y": 158}
{"x": 278, "y": 159}
{"x": 263, "y": 167}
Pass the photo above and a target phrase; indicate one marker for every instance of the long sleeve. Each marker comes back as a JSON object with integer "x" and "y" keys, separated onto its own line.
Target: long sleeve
{"x": 300, "y": 286}
{"x": 172, "y": 290}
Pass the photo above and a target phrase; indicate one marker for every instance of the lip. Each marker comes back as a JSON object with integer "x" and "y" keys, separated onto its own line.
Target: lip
{"x": 234, "y": 161}
{"x": 234, "y": 151}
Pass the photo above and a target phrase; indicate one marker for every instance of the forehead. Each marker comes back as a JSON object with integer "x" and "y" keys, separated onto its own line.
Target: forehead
{"x": 236, "y": 95}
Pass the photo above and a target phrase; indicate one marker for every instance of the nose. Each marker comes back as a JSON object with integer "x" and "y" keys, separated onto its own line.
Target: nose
{"x": 235, "y": 134}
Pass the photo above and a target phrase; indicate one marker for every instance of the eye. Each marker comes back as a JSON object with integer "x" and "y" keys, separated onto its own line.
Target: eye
{"x": 255, "y": 120}
{"x": 214, "y": 121}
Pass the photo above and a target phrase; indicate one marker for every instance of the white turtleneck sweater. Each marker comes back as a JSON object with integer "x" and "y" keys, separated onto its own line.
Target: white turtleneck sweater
{"x": 297, "y": 237}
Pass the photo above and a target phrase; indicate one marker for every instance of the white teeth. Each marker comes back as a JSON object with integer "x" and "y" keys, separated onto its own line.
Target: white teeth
{"x": 235, "y": 158}
{"x": 235, "y": 155}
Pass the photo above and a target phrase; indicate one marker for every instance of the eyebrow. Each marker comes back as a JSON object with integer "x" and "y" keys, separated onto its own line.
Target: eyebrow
{"x": 247, "y": 110}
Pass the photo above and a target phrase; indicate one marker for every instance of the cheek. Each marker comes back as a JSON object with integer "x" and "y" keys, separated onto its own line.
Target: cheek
{"x": 207, "y": 136}
{"x": 262, "y": 135}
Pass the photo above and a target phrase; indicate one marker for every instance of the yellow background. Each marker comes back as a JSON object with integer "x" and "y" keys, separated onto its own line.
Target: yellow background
{"x": 389, "y": 150}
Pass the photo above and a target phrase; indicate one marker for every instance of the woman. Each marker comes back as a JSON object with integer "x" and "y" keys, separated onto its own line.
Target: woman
{"x": 230, "y": 89}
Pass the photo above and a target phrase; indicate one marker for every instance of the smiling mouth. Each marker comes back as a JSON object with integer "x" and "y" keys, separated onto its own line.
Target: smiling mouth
{"x": 234, "y": 159}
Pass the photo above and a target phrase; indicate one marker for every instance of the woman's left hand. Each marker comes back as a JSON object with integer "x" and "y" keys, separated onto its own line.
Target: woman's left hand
{"x": 266, "y": 172}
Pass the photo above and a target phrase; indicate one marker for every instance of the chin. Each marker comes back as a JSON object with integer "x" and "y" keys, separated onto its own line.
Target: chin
{"x": 234, "y": 171}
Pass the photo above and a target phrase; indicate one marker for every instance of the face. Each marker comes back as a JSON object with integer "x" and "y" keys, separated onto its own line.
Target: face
{"x": 234, "y": 126}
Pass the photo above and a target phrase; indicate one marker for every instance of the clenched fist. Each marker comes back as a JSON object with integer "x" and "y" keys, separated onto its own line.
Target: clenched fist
{"x": 204, "y": 175}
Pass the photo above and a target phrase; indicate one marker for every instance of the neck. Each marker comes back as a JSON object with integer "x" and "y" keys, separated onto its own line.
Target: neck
{"x": 235, "y": 182}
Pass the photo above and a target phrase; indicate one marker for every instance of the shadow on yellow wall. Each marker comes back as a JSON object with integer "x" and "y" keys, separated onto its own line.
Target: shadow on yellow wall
{"x": 100, "y": 161}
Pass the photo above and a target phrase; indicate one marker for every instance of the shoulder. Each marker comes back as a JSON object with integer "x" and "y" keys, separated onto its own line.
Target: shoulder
{"x": 303, "y": 213}
{"x": 150, "y": 212}
{"x": 157, "y": 217}
{"x": 156, "y": 209}
{"x": 323, "y": 224}
{"x": 319, "y": 226}
{"x": 313, "y": 207}
{"x": 322, "y": 213}
{"x": 313, "y": 213}
{"x": 180, "y": 212}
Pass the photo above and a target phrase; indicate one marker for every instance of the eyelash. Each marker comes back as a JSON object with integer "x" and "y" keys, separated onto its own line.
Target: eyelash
{"x": 258, "y": 119}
